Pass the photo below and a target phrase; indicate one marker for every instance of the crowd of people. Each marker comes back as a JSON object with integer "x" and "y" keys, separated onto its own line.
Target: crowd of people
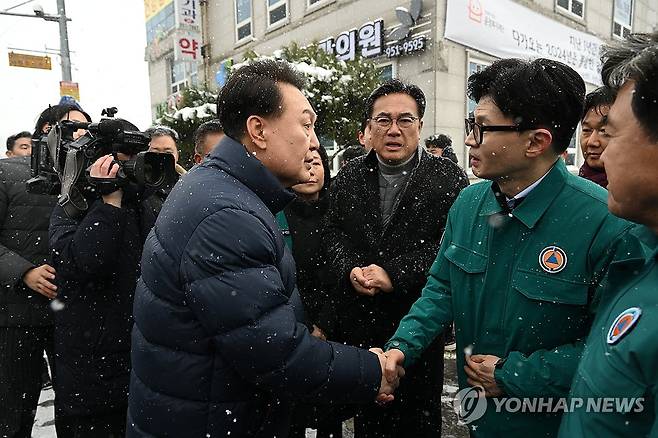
{"x": 260, "y": 297}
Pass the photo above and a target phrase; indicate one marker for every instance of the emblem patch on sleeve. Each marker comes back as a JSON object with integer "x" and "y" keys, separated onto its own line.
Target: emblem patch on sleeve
{"x": 623, "y": 324}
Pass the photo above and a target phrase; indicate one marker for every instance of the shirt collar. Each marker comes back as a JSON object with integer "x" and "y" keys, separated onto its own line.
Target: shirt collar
{"x": 524, "y": 192}
{"x": 538, "y": 198}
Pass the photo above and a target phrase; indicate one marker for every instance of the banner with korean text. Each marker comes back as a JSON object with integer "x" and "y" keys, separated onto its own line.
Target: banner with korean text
{"x": 505, "y": 29}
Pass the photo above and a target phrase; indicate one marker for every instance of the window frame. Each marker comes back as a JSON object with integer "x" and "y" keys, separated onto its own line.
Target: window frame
{"x": 625, "y": 28}
{"x": 310, "y": 7}
{"x": 241, "y": 24}
{"x": 569, "y": 11}
{"x": 392, "y": 64}
{"x": 270, "y": 9}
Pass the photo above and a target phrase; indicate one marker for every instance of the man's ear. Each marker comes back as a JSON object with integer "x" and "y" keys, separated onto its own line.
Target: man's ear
{"x": 540, "y": 141}
{"x": 255, "y": 132}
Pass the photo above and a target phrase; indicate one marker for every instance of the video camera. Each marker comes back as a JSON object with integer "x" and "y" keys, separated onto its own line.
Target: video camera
{"x": 59, "y": 162}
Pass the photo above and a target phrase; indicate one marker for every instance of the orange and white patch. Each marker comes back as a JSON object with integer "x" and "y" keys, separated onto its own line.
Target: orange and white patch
{"x": 552, "y": 259}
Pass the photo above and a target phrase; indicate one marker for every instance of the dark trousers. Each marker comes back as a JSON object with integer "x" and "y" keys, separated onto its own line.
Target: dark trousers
{"x": 108, "y": 425}
{"x": 416, "y": 410}
{"x": 21, "y": 368}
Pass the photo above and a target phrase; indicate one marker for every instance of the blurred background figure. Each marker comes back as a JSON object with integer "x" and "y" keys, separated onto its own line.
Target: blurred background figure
{"x": 19, "y": 145}
{"x": 165, "y": 141}
{"x": 440, "y": 145}
{"x": 351, "y": 153}
{"x": 206, "y": 137}
{"x": 593, "y": 138}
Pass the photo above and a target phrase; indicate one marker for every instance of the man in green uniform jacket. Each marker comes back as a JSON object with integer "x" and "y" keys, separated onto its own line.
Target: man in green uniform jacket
{"x": 521, "y": 257}
{"x": 620, "y": 360}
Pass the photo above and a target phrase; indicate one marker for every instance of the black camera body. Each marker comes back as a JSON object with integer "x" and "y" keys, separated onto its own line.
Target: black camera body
{"x": 59, "y": 163}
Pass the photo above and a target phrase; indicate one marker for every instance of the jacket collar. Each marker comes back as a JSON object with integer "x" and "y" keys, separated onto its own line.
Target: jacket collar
{"x": 233, "y": 158}
{"x": 538, "y": 200}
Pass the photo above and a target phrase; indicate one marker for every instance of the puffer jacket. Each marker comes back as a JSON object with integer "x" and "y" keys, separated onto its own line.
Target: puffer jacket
{"x": 97, "y": 261}
{"x": 218, "y": 346}
{"x": 24, "y": 219}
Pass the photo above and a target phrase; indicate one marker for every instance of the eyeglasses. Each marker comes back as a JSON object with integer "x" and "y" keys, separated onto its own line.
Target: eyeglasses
{"x": 470, "y": 125}
{"x": 386, "y": 122}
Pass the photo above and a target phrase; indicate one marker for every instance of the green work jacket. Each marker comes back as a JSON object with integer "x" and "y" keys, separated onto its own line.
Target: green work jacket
{"x": 520, "y": 286}
{"x": 617, "y": 379}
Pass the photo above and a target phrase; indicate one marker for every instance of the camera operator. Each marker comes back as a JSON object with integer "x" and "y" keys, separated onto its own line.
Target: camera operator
{"x": 97, "y": 257}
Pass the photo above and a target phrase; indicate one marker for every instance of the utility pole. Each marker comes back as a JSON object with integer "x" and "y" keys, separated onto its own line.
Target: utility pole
{"x": 64, "y": 41}
{"x": 62, "y": 19}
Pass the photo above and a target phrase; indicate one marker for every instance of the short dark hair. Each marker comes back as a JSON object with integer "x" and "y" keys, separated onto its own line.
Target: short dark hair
{"x": 12, "y": 138}
{"x": 53, "y": 114}
{"x": 396, "y": 86}
{"x": 162, "y": 131}
{"x": 209, "y": 127}
{"x": 602, "y": 96}
{"x": 540, "y": 93}
{"x": 636, "y": 59}
{"x": 441, "y": 141}
{"x": 253, "y": 90}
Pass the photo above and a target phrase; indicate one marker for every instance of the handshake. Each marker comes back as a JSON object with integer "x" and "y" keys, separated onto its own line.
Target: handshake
{"x": 392, "y": 371}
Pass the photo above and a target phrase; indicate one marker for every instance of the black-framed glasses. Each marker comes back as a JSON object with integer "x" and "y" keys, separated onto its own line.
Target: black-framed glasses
{"x": 386, "y": 122}
{"x": 471, "y": 126}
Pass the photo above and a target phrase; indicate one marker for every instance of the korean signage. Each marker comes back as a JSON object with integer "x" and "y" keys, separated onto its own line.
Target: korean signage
{"x": 368, "y": 40}
{"x": 506, "y": 29}
{"x": 187, "y": 46}
{"x": 188, "y": 14}
{"x": 29, "y": 61}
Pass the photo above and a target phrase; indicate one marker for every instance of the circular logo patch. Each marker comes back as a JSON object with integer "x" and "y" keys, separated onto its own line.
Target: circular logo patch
{"x": 552, "y": 259}
{"x": 623, "y": 324}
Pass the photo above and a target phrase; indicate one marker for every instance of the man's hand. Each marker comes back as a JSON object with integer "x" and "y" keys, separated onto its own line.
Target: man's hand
{"x": 480, "y": 371}
{"x": 105, "y": 167}
{"x": 394, "y": 363}
{"x": 387, "y": 386}
{"x": 377, "y": 278}
{"x": 358, "y": 281}
{"x": 318, "y": 333}
{"x": 38, "y": 279}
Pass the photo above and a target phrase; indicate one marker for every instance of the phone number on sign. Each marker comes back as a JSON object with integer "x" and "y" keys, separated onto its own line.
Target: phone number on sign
{"x": 405, "y": 48}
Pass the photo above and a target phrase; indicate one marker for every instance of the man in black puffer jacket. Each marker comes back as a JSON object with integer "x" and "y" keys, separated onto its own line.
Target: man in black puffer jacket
{"x": 25, "y": 317}
{"x": 219, "y": 346}
{"x": 97, "y": 259}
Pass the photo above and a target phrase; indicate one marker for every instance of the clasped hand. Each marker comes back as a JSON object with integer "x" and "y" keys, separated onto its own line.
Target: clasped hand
{"x": 392, "y": 371}
{"x": 370, "y": 280}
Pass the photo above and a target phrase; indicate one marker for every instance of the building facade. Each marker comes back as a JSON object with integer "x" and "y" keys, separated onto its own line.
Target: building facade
{"x": 435, "y": 44}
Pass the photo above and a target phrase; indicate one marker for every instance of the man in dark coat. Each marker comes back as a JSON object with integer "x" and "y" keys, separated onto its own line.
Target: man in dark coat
{"x": 219, "y": 345}
{"x": 388, "y": 211}
{"x": 25, "y": 318}
{"x": 97, "y": 260}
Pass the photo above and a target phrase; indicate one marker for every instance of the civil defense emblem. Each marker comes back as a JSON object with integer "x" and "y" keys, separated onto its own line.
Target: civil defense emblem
{"x": 552, "y": 259}
{"x": 623, "y": 324}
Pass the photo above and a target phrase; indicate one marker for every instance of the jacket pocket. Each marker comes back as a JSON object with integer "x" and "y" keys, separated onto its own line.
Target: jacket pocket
{"x": 465, "y": 259}
{"x": 541, "y": 287}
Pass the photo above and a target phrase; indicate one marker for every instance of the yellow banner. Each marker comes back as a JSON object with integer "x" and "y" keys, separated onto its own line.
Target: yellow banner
{"x": 29, "y": 61}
